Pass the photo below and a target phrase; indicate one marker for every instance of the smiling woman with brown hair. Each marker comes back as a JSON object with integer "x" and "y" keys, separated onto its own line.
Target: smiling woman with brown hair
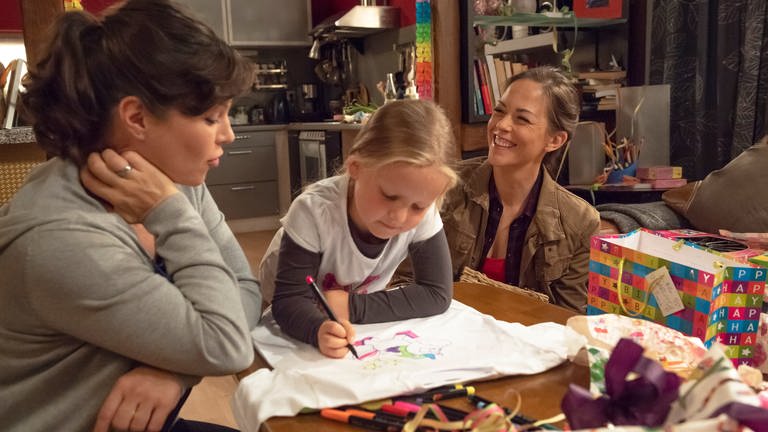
{"x": 509, "y": 218}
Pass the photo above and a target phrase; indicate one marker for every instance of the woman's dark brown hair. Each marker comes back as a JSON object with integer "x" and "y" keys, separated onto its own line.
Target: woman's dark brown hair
{"x": 564, "y": 106}
{"x": 144, "y": 48}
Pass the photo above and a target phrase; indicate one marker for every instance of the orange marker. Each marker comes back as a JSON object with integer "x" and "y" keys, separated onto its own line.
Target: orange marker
{"x": 368, "y": 423}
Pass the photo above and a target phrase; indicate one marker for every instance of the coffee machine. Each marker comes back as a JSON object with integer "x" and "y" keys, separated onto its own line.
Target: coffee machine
{"x": 309, "y": 103}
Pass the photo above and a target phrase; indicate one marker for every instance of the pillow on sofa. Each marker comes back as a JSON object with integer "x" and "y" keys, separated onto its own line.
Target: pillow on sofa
{"x": 733, "y": 198}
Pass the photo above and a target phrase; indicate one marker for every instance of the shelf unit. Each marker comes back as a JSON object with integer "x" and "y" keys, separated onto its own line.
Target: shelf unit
{"x": 472, "y": 48}
{"x": 545, "y": 19}
{"x": 270, "y": 78}
{"x": 522, "y": 44}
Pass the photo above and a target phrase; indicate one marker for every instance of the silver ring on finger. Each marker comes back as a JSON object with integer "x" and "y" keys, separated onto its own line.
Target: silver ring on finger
{"x": 124, "y": 171}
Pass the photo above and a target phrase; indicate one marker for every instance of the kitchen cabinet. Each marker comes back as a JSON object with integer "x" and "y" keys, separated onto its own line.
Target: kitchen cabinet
{"x": 211, "y": 12}
{"x": 269, "y": 23}
{"x": 251, "y": 23}
{"x": 244, "y": 185}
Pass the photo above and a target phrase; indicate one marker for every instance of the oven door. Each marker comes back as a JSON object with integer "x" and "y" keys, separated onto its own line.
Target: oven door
{"x": 312, "y": 162}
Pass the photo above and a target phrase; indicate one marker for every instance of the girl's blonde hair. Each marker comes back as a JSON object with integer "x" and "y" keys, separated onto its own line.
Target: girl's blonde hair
{"x": 415, "y": 132}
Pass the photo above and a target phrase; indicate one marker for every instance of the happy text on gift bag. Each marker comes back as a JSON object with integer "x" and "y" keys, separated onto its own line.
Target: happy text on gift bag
{"x": 722, "y": 298}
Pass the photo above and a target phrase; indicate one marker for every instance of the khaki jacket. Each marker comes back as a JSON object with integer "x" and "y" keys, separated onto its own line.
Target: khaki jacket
{"x": 555, "y": 257}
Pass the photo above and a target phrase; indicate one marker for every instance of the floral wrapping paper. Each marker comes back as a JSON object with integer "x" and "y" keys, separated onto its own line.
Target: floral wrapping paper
{"x": 675, "y": 351}
{"x": 721, "y": 424}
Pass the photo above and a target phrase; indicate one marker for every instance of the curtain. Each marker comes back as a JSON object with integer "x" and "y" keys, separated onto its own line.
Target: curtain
{"x": 714, "y": 55}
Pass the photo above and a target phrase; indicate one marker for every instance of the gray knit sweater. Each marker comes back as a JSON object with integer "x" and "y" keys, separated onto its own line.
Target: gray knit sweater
{"x": 81, "y": 303}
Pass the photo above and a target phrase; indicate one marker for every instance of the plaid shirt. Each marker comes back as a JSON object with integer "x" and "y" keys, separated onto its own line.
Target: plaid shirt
{"x": 517, "y": 229}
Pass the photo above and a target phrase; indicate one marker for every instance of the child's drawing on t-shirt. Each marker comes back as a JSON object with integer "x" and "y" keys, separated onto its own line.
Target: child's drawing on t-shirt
{"x": 403, "y": 345}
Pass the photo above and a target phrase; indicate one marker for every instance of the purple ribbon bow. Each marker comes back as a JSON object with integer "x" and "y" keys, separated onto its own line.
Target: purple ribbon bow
{"x": 644, "y": 400}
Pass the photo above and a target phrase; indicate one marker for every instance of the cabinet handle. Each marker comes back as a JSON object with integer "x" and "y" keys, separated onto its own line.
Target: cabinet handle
{"x": 239, "y": 152}
{"x": 240, "y": 188}
{"x": 241, "y": 137}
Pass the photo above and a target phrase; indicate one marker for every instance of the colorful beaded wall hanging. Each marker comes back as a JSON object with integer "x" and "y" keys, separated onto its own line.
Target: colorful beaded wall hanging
{"x": 424, "y": 49}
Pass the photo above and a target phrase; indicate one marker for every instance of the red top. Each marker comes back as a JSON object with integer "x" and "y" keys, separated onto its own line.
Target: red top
{"x": 494, "y": 269}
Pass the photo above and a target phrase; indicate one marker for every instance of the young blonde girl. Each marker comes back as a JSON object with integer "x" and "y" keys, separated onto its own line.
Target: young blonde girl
{"x": 351, "y": 231}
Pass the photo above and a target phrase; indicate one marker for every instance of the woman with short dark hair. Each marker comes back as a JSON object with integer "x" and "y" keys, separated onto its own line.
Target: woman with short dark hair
{"x": 121, "y": 282}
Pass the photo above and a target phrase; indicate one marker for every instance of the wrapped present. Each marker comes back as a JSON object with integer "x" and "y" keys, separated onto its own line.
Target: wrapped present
{"x": 675, "y": 351}
{"x": 673, "y": 283}
{"x": 716, "y": 388}
{"x": 638, "y": 392}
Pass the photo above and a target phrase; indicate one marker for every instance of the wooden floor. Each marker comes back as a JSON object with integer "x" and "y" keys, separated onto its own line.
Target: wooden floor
{"x": 210, "y": 400}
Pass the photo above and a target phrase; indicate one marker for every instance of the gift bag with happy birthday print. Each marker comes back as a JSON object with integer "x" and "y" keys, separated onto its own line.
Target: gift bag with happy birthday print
{"x": 686, "y": 288}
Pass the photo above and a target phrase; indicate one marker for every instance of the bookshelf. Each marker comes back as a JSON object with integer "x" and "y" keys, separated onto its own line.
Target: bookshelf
{"x": 471, "y": 46}
{"x": 537, "y": 47}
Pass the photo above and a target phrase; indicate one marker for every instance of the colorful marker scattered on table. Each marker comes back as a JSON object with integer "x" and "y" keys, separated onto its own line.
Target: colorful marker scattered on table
{"x": 443, "y": 394}
{"x": 368, "y": 421}
{"x": 519, "y": 419}
{"x": 327, "y": 307}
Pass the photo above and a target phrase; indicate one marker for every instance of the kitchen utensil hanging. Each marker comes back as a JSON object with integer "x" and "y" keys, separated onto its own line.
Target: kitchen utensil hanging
{"x": 334, "y": 76}
{"x": 322, "y": 69}
{"x": 327, "y": 69}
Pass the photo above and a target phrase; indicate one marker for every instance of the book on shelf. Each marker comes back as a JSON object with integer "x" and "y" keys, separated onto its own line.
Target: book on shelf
{"x": 607, "y": 103}
{"x": 492, "y": 79}
{"x": 606, "y": 93}
{"x": 603, "y": 75}
{"x": 660, "y": 172}
{"x": 479, "y": 109}
{"x": 667, "y": 183}
{"x": 501, "y": 75}
{"x": 499, "y": 71}
{"x": 484, "y": 91}
{"x": 518, "y": 68}
{"x": 507, "y": 70}
{"x": 599, "y": 87}
{"x": 599, "y": 96}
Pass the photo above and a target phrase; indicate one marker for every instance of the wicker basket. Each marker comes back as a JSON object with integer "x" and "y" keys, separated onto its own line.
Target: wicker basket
{"x": 474, "y": 276}
{"x": 12, "y": 176}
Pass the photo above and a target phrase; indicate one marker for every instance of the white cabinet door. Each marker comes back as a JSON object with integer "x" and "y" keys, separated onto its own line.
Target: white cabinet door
{"x": 211, "y": 12}
{"x": 269, "y": 22}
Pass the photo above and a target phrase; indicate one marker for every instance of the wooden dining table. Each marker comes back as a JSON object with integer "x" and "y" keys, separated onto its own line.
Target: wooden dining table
{"x": 540, "y": 394}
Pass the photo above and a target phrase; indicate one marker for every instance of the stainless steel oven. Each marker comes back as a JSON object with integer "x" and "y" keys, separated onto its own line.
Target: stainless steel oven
{"x": 314, "y": 155}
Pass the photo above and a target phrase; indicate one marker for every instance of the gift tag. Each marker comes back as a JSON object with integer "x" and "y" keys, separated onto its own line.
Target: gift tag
{"x": 664, "y": 290}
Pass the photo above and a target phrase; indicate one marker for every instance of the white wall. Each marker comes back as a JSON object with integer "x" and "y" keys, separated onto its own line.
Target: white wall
{"x": 11, "y": 47}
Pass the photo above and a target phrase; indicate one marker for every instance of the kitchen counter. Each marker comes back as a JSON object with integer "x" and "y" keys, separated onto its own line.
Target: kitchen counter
{"x": 324, "y": 126}
{"x": 23, "y": 135}
{"x": 17, "y": 135}
{"x": 298, "y": 126}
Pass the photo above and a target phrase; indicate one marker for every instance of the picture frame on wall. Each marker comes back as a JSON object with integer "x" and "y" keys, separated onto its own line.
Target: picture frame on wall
{"x": 597, "y": 8}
